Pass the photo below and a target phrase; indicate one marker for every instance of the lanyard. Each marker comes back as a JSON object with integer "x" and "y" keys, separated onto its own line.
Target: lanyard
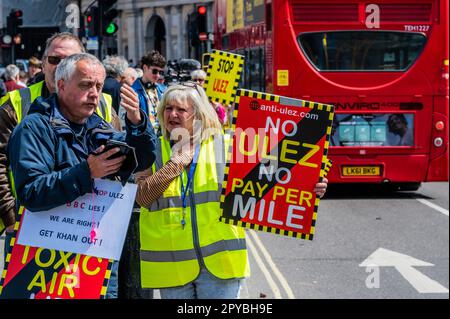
{"x": 184, "y": 190}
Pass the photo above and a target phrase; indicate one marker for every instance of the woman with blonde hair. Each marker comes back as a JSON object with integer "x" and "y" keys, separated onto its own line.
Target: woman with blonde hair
{"x": 186, "y": 252}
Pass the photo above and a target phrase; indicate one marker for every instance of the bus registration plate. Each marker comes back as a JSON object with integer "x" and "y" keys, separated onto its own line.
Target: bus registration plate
{"x": 361, "y": 171}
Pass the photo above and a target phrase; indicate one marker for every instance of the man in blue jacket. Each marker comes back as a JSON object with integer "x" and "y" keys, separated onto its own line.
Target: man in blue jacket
{"x": 56, "y": 151}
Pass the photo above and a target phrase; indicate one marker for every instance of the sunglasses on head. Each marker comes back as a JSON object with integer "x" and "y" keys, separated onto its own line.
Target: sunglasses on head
{"x": 191, "y": 85}
{"x": 156, "y": 71}
{"x": 54, "y": 60}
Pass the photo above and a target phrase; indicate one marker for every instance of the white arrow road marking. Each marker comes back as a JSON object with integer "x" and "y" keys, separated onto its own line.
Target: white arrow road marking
{"x": 404, "y": 264}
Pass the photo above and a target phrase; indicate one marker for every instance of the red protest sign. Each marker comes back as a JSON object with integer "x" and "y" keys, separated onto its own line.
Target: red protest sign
{"x": 277, "y": 156}
{"x": 39, "y": 273}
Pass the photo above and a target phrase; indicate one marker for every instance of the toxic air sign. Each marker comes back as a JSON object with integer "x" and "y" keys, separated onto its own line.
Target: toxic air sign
{"x": 223, "y": 74}
{"x": 40, "y": 273}
{"x": 277, "y": 156}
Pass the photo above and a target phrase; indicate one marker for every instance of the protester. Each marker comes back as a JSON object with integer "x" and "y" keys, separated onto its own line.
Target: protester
{"x": 148, "y": 88}
{"x": 12, "y": 78}
{"x": 186, "y": 251}
{"x": 56, "y": 151}
{"x": 115, "y": 68}
{"x": 15, "y": 105}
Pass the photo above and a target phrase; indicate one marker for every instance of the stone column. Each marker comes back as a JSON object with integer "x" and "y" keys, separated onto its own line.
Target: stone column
{"x": 132, "y": 35}
{"x": 140, "y": 34}
{"x": 168, "y": 25}
{"x": 181, "y": 33}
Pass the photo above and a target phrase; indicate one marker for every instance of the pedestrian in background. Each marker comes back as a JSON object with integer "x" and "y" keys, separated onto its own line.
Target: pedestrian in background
{"x": 139, "y": 72}
{"x": 34, "y": 70}
{"x": 129, "y": 76}
{"x": 23, "y": 78}
{"x": 115, "y": 68}
{"x": 12, "y": 78}
{"x": 148, "y": 88}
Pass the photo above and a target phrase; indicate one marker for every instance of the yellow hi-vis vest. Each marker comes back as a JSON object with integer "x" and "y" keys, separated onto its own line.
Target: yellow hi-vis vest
{"x": 22, "y": 99}
{"x": 170, "y": 255}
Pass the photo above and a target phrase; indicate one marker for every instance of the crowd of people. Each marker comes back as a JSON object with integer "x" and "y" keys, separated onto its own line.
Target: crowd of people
{"x": 14, "y": 78}
{"x": 52, "y": 136}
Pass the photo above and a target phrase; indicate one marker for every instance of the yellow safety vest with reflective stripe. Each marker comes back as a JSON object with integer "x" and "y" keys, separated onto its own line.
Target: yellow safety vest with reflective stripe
{"x": 170, "y": 255}
{"x": 22, "y": 99}
{"x": 2, "y": 226}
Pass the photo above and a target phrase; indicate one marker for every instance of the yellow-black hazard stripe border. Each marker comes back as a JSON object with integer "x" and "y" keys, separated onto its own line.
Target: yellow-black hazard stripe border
{"x": 2, "y": 226}
{"x": 10, "y": 249}
{"x": 325, "y": 165}
{"x": 106, "y": 280}
{"x": 238, "y": 75}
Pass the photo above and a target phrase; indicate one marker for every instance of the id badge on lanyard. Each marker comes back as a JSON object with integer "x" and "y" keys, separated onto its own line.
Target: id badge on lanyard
{"x": 185, "y": 190}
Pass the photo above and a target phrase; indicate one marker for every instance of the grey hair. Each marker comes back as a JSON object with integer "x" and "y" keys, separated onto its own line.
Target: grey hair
{"x": 66, "y": 68}
{"x": 198, "y": 74}
{"x": 139, "y": 72}
{"x": 11, "y": 72}
{"x": 115, "y": 65}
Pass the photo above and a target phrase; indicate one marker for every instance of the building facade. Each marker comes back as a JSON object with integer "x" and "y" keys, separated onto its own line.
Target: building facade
{"x": 159, "y": 25}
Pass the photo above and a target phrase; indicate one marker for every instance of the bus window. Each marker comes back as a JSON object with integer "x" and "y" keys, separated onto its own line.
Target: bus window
{"x": 256, "y": 70}
{"x": 395, "y": 129}
{"x": 362, "y": 50}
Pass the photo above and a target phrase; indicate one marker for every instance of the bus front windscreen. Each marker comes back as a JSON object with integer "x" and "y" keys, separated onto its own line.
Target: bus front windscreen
{"x": 362, "y": 50}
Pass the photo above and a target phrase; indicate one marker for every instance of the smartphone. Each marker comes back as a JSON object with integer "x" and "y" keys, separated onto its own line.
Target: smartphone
{"x": 124, "y": 148}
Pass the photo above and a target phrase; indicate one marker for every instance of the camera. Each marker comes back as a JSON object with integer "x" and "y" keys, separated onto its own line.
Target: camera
{"x": 124, "y": 149}
{"x": 180, "y": 71}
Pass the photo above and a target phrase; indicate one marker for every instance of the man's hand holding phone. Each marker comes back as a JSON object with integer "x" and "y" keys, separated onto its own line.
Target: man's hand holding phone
{"x": 101, "y": 165}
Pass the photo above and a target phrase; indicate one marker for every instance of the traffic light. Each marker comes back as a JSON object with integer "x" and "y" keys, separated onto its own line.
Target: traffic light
{"x": 193, "y": 30}
{"x": 13, "y": 21}
{"x": 201, "y": 19}
{"x": 197, "y": 26}
{"x": 109, "y": 27}
{"x": 92, "y": 22}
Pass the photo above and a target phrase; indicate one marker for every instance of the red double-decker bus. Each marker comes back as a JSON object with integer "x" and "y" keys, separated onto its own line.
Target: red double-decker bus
{"x": 382, "y": 64}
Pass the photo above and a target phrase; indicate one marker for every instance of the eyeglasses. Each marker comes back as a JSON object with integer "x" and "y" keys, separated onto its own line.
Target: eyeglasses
{"x": 198, "y": 80}
{"x": 156, "y": 71}
{"x": 54, "y": 60}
